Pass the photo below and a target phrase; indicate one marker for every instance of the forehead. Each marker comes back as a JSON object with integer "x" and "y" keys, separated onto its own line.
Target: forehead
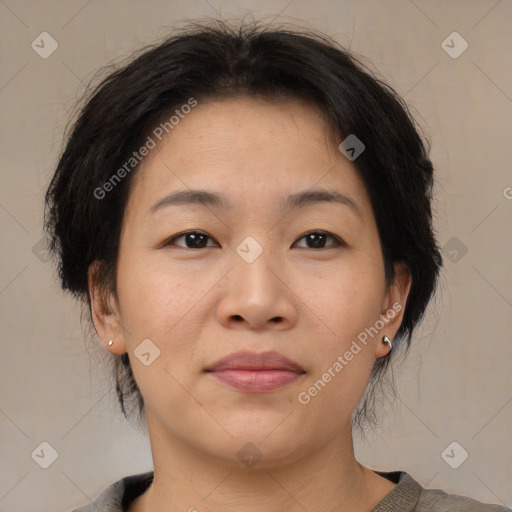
{"x": 246, "y": 148}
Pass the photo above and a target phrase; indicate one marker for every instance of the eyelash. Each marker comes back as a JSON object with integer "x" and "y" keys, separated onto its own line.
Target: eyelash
{"x": 338, "y": 241}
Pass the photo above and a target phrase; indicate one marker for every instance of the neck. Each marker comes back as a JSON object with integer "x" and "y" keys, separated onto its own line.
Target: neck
{"x": 328, "y": 479}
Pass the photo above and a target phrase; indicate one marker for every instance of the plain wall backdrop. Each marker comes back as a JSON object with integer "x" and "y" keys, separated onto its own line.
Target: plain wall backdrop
{"x": 455, "y": 385}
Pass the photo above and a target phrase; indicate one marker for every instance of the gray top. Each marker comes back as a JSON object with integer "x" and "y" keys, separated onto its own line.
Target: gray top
{"x": 407, "y": 496}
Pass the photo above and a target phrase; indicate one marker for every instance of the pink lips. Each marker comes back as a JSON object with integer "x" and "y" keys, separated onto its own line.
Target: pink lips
{"x": 256, "y": 372}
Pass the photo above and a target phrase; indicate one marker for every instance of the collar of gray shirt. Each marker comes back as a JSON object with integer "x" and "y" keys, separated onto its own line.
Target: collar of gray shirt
{"x": 407, "y": 496}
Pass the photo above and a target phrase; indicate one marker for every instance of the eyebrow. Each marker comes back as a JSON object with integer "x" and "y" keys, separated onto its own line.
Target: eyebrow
{"x": 294, "y": 201}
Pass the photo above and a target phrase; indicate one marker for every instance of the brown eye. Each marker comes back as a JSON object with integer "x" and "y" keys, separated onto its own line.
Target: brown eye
{"x": 317, "y": 240}
{"x": 199, "y": 240}
{"x": 192, "y": 240}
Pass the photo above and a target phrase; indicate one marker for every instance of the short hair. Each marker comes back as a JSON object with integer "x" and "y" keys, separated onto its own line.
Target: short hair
{"x": 215, "y": 61}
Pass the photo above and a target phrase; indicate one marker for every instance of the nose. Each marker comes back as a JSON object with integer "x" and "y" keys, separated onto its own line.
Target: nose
{"x": 258, "y": 296}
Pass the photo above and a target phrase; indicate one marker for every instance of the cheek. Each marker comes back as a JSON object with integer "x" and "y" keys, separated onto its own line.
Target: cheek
{"x": 342, "y": 363}
{"x": 346, "y": 301}
{"x": 345, "y": 305}
{"x": 155, "y": 299}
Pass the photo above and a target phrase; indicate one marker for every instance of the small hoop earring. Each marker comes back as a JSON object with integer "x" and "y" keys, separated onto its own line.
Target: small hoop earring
{"x": 110, "y": 343}
{"x": 386, "y": 340}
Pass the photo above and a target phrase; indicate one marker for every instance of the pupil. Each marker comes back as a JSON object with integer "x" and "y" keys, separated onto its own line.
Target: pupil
{"x": 194, "y": 238}
{"x": 317, "y": 243}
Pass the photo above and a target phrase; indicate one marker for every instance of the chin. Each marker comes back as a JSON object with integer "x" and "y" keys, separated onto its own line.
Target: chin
{"x": 258, "y": 449}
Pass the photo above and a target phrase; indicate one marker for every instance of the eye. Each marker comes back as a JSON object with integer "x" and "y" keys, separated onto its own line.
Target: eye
{"x": 316, "y": 240}
{"x": 192, "y": 239}
{"x": 199, "y": 240}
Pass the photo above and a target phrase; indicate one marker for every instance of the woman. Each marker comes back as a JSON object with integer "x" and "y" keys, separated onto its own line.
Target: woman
{"x": 247, "y": 215}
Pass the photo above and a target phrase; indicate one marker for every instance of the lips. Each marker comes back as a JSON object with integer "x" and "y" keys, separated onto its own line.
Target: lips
{"x": 256, "y": 372}
{"x": 254, "y": 361}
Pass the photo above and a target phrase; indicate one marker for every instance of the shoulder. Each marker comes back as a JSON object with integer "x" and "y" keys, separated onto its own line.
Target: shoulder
{"x": 117, "y": 495}
{"x": 409, "y": 496}
{"x": 438, "y": 500}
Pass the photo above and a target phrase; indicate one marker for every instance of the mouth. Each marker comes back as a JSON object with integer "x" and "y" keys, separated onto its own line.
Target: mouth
{"x": 256, "y": 372}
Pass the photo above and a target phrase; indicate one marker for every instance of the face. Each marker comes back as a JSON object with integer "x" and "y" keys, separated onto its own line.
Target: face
{"x": 257, "y": 272}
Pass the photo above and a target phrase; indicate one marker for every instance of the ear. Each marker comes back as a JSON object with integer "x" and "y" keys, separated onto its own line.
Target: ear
{"x": 105, "y": 311}
{"x": 393, "y": 307}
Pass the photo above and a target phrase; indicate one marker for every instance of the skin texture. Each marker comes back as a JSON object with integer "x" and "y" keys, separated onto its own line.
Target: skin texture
{"x": 198, "y": 305}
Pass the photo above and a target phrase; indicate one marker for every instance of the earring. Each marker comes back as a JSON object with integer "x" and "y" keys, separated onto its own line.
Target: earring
{"x": 386, "y": 340}
{"x": 110, "y": 343}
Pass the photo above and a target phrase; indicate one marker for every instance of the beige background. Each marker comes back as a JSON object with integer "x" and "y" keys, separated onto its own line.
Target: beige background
{"x": 456, "y": 383}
